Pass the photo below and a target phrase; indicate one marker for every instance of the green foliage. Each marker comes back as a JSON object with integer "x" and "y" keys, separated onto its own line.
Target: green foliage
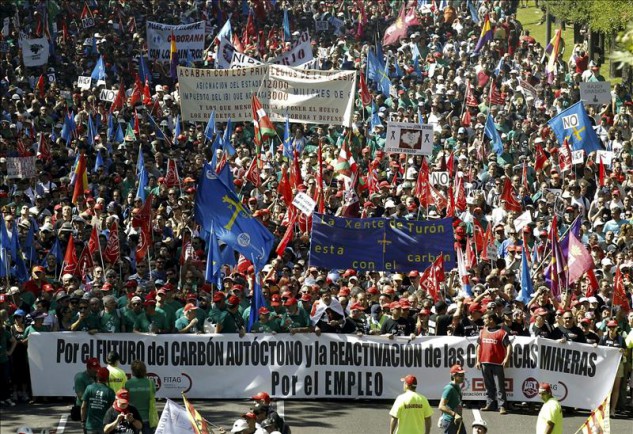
{"x": 607, "y": 16}
{"x": 624, "y": 53}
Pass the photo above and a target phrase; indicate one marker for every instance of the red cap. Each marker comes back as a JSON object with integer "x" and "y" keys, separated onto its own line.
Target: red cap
{"x": 103, "y": 374}
{"x": 306, "y": 297}
{"x": 123, "y": 395}
{"x": 149, "y": 303}
{"x": 395, "y": 305}
{"x": 47, "y": 287}
{"x": 540, "y": 312}
{"x": 414, "y": 273}
{"x": 190, "y": 306}
{"x": 356, "y": 306}
{"x": 39, "y": 268}
{"x": 474, "y": 307}
{"x": 92, "y": 363}
{"x": 218, "y": 297}
{"x": 249, "y": 415}
{"x": 233, "y": 300}
{"x": 131, "y": 283}
{"x": 410, "y": 380}
{"x": 192, "y": 296}
{"x": 263, "y": 310}
{"x": 106, "y": 287}
{"x": 261, "y": 396}
{"x": 290, "y": 302}
{"x": 404, "y": 303}
{"x": 372, "y": 290}
{"x": 275, "y": 300}
{"x": 545, "y": 387}
{"x": 612, "y": 323}
{"x": 425, "y": 312}
{"x": 344, "y": 292}
{"x": 457, "y": 369}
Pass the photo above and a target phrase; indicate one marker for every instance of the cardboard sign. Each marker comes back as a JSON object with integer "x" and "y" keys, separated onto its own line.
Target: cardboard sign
{"x": 83, "y": 82}
{"x": 88, "y": 22}
{"x": 409, "y": 138}
{"x": 304, "y": 203}
{"x": 605, "y": 156}
{"x": 577, "y": 157}
{"x": 440, "y": 178}
{"x": 107, "y": 95}
{"x": 596, "y": 92}
{"x": 21, "y": 167}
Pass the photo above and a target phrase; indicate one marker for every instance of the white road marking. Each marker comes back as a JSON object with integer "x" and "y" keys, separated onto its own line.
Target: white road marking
{"x": 280, "y": 409}
{"x": 61, "y": 427}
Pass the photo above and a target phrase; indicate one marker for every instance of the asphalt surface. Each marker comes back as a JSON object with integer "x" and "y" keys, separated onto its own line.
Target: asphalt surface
{"x": 304, "y": 417}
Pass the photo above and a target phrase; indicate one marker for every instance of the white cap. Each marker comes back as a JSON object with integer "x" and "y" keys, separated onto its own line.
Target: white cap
{"x": 239, "y": 425}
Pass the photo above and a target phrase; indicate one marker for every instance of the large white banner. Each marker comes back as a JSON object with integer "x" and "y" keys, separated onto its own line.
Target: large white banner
{"x": 329, "y": 366}
{"x": 34, "y": 51}
{"x": 189, "y": 40}
{"x": 299, "y": 54}
{"x": 307, "y": 96}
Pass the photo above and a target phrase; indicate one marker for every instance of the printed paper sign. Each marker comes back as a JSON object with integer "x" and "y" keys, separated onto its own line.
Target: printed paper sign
{"x": 605, "y": 156}
{"x": 107, "y": 95}
{"x": 83, "y": 82}
{"x": 304, "y": 203}
{"x": 596, "y": 92}
{"x": 577, "y": 157}
{"x": 88, "y": 22}
{"x": 440, "y": 178}
{"x": 409, "y": 138}
{"x": 190, "y": 39}
{"x": 21, "y": 167}
{"x": 34, "y": 51}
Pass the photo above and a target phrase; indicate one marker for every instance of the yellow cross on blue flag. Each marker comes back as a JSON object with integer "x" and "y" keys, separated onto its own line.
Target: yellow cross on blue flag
{"x": 573, "y": 124}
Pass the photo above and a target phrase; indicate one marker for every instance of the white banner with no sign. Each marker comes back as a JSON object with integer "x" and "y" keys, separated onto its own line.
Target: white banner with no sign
{"x": 409, "y": 138}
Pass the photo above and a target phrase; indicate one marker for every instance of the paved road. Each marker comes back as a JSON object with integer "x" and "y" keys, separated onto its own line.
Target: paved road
{"x": 305, "y": 417}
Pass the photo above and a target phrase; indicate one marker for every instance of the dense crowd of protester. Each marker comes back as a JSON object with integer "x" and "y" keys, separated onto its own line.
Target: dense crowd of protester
{"x": 166, "y": 292}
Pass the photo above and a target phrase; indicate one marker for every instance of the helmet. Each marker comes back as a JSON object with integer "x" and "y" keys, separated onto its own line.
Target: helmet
{"x": 24, "y": 430}
{"x": 480, "y": 422}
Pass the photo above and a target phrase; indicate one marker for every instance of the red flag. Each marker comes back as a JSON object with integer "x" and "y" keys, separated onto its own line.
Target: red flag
{"x": 81, "y": 178}
{"x": 466, "y": 119}
{"x": 131, "y": 25}
{"x": 594, "y": 285}
{"x": 460, "y": 193}
{"x": 471, "y": 257}
{"x": 524, "y": 175}
{"x": 422, "y": 185}
{"x": 43, "y": 153}
{"x": 147, "y": 94}
{"x": 450, "y": 164}
{"x": 511, "y": 203}
{"x": 429, "y": 284}
{"x": 237, "y": 44}
{"x": 64, "y": 31}
{"x": 295, "y": 171}
{"x": 489, "y": 251}
{"x": 221, "y": 163}
{"x": 41, "y": 86}
{"x": 478, "y": 235}
{"x": 320, "y": 196}
{"x": 602, "y": 172}
{"x": 450, "y": 210}
{"x": 471, "y": 100}
{"x": 93, "y": 243}
{"x": 249, "y": 30}
{"x": 564, "y": 157}
{"x": 143, "y": 220}
{"x": 119, "y": 99}
{"x": 112, "y": 252}
{"x": 137, "y": 93}
{"x": 365, "y": 96}
{"x": 438, "y": 198}
{"x": 171, "y": 177}
{"x": 541, "y": 158}
{"x": 496, "y": 97}
{"x": 283, "y": 188}
{"x": 86, "y": 12}
{"x": 186, "y": 250}
{"x": 22, "y": 151}
{"x": 288, "y": 235}
{"x": 262, "y": 123}
{"x": 620, "y": 297}
{"x": 137, "y": 126}
{"x": 252, "y": 174}
{"x": 70, "y": 258}
{"x": 84, "y": 264}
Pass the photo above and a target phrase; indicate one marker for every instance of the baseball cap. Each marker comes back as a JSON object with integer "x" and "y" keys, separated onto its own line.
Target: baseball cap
{"x": 261, "y": 396}
{"x": 410, "y": 380}
{"x": 103, "y": 374}
{"x": 123, "y": 395}
{"x": 356, "y": 306}
{"x": 395, "y": 305}
{"x": 612, "y": 323}
{"x": 290, "y": 302}
{"x": 544, "y": 387}
{"x": 263, "y": 310}
{"x": 218, "y": 296}
{"x": 93, "y": 363}
{"x": 233, "y": 301}
{"x": 457, "y": 369}
{"x": 239, "y": 425}
{"x": 190, "y": 306}
{"x": 480, "y": 422}
{"x": 275, "y": 300}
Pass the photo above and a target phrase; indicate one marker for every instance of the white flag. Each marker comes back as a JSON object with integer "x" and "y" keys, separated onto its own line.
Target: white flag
{"x": 522, "y": 220}
{"x": 174, "y": 420}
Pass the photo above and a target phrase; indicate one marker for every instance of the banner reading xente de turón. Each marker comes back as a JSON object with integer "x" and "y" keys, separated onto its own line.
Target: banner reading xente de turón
{"x": 189, "y": 40}
{"x": 328, "y": 366}
{"x": 380, "y": 244}
{"x": 305, "y": 96}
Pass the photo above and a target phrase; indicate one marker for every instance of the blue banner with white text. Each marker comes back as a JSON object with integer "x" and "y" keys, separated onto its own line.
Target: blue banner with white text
{"x": 395, "y": 245}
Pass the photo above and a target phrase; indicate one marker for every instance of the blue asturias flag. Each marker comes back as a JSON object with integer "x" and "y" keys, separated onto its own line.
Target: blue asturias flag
{"x": 98, "y": 73}
{"x": 143, "y": 70}
{"x": 286, "y": 25}
{"x": 473, "y": 11}
{"x": 375, "y": 119}
{"x": 210, "y": 130}
{"x": 526, "y": 283}
{"x": 218, "y": 208}
{"x": 573, "y": 124}
{"x": 493, "y": 135}
{"x": 98, "y": 162}
{"x": 384, "y": 83}
{"x": 256, "y": 302}
{"x": 288, "y": 148}
{"x": 226, "y": 138}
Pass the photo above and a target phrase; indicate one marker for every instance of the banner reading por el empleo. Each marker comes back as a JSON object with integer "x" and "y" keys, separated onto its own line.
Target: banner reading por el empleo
{"x": 305, "y": 96}
{"x": 304, "y": 366}
{"x": 380, "y": 244}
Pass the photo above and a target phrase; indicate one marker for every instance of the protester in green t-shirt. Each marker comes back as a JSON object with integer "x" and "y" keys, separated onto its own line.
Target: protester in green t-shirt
{"x": 189, "y": 323}
{"x": 265, "y": 324}
{"x": 151, "y": 321}
{"x": 96, "y": 400}
{"x": 142, "y": 395}
{"x": 85, "y": 378}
